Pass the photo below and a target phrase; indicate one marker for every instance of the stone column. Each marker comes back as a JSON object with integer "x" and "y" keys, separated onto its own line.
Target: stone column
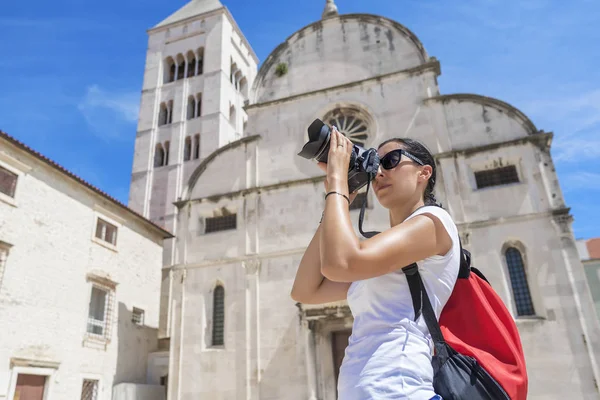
{"x": 252, "y": 345}
{"x": 581, "y": 296}
{"x": 311, "y": 359}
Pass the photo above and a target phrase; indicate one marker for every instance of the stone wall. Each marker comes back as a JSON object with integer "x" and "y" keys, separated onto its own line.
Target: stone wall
{"x": 48, "y": 275}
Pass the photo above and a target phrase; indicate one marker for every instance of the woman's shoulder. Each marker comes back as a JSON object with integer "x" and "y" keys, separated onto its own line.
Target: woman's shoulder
{"x": 436, "y": 211}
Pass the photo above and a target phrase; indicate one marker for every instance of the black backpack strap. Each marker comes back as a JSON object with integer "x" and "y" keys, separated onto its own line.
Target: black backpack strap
{"x": 422, "y": 304}
{"x": 417, "y": 291}
{"x": 414, "y": 285}
{"x": 362, "y": 215}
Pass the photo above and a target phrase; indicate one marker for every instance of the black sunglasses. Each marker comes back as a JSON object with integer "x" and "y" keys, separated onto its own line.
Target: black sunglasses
{"x": 391, "y": 159}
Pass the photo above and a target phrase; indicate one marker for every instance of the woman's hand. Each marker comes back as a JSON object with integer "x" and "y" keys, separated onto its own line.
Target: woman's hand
{"x": 340, "y": 149}
{"x": 338, "y": 160}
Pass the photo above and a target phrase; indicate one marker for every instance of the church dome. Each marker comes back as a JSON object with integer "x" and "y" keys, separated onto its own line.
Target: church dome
{"x": 337, "y": 50}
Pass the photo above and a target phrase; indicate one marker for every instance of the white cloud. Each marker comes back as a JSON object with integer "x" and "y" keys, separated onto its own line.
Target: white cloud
{"x": 108, "y": 112}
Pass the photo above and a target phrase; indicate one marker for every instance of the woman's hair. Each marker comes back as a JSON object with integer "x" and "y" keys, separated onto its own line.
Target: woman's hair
{"x": 418, "y": 150}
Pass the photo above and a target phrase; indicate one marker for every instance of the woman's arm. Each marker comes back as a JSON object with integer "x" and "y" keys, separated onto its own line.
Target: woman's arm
{"x": 310, "y": 286}
{"x": 345, "y": 259}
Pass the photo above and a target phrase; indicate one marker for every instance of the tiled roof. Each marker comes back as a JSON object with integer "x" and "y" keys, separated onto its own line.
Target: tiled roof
{"x": 191, "y": 9}
{"x": 60, "y": 168}
{"x": 593, "y": 247}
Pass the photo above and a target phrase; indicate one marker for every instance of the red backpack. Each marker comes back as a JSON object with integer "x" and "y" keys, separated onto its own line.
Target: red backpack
{"x": 478, "y": 353}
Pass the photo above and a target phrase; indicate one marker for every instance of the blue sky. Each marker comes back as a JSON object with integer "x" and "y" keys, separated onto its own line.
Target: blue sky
{"x": 71, "y": 73}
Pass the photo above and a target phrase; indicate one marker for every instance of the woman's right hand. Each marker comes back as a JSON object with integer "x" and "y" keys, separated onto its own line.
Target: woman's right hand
{"x": 323, "y": 167}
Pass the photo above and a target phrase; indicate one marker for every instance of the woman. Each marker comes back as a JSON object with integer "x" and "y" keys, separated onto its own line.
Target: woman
{"x": 388, "y": 354}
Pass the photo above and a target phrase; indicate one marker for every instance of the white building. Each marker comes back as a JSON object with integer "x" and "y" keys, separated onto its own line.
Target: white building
{"x": 227, "y": 180}
{"x": 80, "y": 275}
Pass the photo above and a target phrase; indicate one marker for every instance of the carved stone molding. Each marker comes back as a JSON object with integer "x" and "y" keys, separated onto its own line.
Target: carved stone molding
{"x": 563, "y": 220}
{"x": 252, "y": 266}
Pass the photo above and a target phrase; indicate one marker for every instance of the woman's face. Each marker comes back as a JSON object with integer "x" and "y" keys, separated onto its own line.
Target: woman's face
{"x": 401, "y": 184}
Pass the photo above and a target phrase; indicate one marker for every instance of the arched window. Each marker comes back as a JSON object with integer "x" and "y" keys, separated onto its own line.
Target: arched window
{"x": 159, "y": 155}
{"x": 170, "y": 111}
{"x": 191, "y": 109}
{"x": 232, "y": 115}
{"x": 191, "y": 66}
{"x": 232, "y": 72}
{"x": 180, "y": 67}
{"x": 166, "y": 158}
{"x": 163, "y": 114}
{"x": 350, "y": 122}
{"x": 169, "y": 70}
{"x": 198, "y": 104}
{"x": 518, "y": 281}
{"x": 218, "y": 333}
{"x": 187, "y": 149}
{"x": 244, "y": 87}
{"x": 200, "y": 61}
{"x": 196, "y": 146}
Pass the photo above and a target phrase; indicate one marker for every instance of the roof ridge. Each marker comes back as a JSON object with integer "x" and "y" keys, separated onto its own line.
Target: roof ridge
{"x": 191, "y": 9}
{"x": 80, "y": 180}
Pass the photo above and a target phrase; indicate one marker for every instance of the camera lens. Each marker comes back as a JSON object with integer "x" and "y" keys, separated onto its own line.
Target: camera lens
{"x": 317, "y": 146}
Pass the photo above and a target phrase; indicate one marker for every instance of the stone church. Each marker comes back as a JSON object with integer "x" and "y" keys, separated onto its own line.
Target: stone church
{"x": 216, "y": 163}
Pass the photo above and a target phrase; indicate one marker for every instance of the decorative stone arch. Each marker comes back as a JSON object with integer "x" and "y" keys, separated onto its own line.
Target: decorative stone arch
{"x": 187, "y": 191}
{"x": 508, "y": 109}
{"x": 514, "y": 279}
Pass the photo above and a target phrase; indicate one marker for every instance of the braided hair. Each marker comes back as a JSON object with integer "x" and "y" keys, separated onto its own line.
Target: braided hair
{"x": 419, "y": 150}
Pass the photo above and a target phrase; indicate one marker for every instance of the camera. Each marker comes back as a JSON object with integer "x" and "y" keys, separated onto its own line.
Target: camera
{"x": 363, "y": 163}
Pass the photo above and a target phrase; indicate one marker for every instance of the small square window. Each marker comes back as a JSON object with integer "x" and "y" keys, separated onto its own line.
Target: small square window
{"x": 8, "y": 182}
{"x": 496, "y": 177}
{"x": 106, "y": 231}
{"x": 223, "y": 223}
{"x": 137, "y": 316}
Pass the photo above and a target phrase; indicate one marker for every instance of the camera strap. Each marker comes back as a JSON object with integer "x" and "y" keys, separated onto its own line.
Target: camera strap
{"x": 362, "y": 211}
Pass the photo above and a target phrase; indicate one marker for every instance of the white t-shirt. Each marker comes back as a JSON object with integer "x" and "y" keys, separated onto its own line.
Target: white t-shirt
{"x": 389, "y": 354}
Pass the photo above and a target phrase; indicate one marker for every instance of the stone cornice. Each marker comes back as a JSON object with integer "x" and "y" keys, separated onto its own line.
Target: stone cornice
{"x": 559, "y": 212}
{"x": 431, "y": 66}
{"x": 244, "y": 192}
{"x": 463, "y": 226}
{"x": 541, "y": 139}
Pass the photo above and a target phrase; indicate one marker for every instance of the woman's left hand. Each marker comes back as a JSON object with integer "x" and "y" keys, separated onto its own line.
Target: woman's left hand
{"x": 338, "y": 160}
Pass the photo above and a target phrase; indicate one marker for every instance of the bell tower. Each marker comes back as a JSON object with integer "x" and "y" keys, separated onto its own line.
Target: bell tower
{"x": 198, "y": 73}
